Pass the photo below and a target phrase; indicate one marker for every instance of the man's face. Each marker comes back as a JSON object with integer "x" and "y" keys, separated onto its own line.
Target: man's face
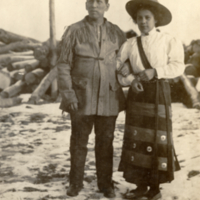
{"x": 145, "y": 20}
{"x": 96, "y": 8}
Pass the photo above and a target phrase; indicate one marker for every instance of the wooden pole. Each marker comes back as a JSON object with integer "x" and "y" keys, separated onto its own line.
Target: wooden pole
{"x": 51, "y": 77}
{"x": 54, "y": 86}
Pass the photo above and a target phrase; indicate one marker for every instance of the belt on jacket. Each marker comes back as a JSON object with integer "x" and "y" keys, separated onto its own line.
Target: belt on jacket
{"x": 90, "y": 57}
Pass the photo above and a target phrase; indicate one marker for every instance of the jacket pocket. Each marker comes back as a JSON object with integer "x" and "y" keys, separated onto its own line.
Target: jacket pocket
{"x": 113, "y": 48}
{"x": 79, "y": 83}
{"x": 111, "y": 54}
{"x": 80, "y": 88}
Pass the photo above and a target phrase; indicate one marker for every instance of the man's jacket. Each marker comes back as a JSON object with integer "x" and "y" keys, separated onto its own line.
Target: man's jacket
{"x": 87, "y": 69}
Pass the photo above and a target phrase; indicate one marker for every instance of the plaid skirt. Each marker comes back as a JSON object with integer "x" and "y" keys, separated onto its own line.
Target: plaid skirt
{"x": 148, "y": 154}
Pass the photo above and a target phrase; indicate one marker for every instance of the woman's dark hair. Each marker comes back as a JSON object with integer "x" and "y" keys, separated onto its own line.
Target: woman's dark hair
{"x": 153, "y": 10}
{"x": 106, "y": 1}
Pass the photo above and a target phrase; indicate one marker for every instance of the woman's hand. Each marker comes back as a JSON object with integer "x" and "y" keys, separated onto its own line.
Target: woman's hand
{"x": 147, "y": 74}
{"x": 136, "y": 86}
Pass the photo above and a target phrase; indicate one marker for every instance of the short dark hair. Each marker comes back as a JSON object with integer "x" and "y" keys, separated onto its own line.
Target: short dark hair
{"x": 106, "y": 1}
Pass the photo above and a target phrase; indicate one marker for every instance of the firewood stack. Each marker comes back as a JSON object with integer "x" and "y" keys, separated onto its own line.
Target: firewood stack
{"x": 25, "y": 67}
{"x": 28, "y": 66}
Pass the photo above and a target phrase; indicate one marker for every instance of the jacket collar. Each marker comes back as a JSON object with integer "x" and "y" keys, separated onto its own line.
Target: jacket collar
{"x": 88, "y": 20}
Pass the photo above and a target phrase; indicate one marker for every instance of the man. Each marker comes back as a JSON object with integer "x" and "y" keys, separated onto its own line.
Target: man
{"x": 90, "y": 92}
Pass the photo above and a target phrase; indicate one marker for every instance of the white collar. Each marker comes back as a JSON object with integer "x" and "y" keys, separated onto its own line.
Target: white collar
{"x": 150, "y": 32}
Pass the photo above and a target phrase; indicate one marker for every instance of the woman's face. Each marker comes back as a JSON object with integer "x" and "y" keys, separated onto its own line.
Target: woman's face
{"x": 145, "y": 20}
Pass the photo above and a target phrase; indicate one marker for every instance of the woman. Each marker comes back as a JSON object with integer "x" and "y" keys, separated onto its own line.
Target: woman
{"x": 148, "y": 157}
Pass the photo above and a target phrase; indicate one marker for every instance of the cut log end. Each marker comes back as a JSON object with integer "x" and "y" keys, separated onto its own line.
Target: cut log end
{"x": 9, "y": 102}
{"x": 15, "y": 89}
{"x": 33, "y": 100}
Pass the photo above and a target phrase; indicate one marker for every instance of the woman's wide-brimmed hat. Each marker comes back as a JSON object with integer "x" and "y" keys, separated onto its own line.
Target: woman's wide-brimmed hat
{"x": 163, "y": 14}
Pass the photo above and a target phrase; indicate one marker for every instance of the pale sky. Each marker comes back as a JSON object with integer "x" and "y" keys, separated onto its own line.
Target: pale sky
{"x": 31, "y": 17}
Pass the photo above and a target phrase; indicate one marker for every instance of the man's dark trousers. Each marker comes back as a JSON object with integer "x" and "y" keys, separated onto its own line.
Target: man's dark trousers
{"x": 104, "y": 130}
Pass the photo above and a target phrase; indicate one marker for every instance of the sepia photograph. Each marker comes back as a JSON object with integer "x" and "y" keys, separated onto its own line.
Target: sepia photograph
{"x": 99, "y": 99}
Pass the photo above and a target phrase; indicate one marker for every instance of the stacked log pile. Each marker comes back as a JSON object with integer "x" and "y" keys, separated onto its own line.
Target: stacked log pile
{"x": 28, "y": 66}
{"x": 25, "y": 66}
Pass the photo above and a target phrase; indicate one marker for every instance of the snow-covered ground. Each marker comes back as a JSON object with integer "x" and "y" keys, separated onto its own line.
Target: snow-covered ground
{"x": 35, "y": 160}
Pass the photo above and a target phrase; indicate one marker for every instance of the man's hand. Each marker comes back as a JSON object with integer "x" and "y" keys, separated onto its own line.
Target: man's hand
{"x": 136, "y": 86}
{"x": 73, "y": 107}
{"x": 147, "y": 74}
{"x": 125, "y": 71}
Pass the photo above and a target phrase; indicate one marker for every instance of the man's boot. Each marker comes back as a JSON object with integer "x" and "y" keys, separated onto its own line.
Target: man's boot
{"x": 74, "y": 190}
{"x": 109, "y": 191}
